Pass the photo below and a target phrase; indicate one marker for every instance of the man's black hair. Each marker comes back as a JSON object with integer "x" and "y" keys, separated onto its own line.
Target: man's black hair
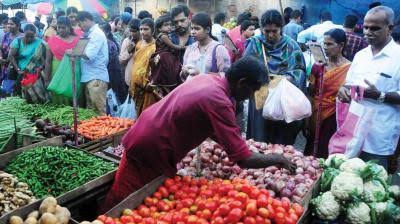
{"x": 295, "y": 14}
{"x": 178, "y": 10}
{"x": 144, "y": 14}
{"x": 326, "y": 16}
{"x": 272, "y": 17}
{"x": 245, "y": 25}
{"x": 128, "y": 9}
{"x": 219, "y": 17}
{"x": 83, "y": 15}
{"x": 250, "y": 68}
{"x": 20, "y": 15}
{"x": 242, "y": 17}
{"x": 350, "y": 21}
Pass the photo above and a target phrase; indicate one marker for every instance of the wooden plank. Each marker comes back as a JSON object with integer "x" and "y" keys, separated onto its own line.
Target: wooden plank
{"x": 313, "y": 192}
{"x": 136, "y": 198}
{"x": 11, "y": 144}
{"x": 103, "y": 143}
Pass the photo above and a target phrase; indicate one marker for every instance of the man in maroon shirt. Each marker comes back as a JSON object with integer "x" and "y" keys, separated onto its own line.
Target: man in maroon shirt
{"x": 354, "y": 42}
{"x": 200, "y": 108}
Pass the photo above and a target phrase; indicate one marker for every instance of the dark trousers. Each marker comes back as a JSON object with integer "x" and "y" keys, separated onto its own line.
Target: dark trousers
{"x": 380, "y": 160}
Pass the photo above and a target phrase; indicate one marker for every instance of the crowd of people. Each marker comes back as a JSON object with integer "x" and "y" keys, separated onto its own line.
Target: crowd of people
{"x": 148, "y": 58}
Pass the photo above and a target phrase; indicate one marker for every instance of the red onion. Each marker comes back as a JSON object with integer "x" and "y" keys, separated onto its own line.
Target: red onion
{"x": 285, "y": 192}
{"x": 299, "y": 170}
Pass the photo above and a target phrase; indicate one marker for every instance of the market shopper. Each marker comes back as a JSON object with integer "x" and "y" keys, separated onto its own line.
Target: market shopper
{"x": 8, "y": 74}
{"x": 294, "y": 27}
{"x": 317, "y": 31}
{"x": 377, "y": 69}
{"x": 181, "y": 34}
{"x": 57, "y": 46}
{"x": 51, "y": 29}
{"x": 207, "y": 54}
{"x": 355, "y": 43}
{"x": 334, "y": 77}
{"x": 139, "y": 87}
{"x": 94, "y": 63}
{"x": 285, "y": 58}
{"x": 72, "y": 14}
{"x": 27, "y": 55}
{"x": 128, "y": 49}
{"x": 200, "y": 108}
{"x": 247, "y": 29}
{"x": 217, "y": 27}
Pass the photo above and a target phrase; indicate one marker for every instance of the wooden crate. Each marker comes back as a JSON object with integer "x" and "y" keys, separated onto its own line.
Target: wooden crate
{"x": 76, "y": 194}
{"x": 99, "y": 145}
{"x": 137, "y": 197}
{"x": 315, "y": 189}
{"x": 26, "y": 141}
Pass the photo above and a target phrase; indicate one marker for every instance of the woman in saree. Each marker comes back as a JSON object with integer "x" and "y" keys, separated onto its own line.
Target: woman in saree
{"x": 27, "y": 54}
{"x": 140, "y": 89}
{"x": 57, "y": 46}
{"x": 283, "y": 57}
{"x": 72, "y": 14}
{"x": 333, "y": 78}
{"x": 14, "y": 27}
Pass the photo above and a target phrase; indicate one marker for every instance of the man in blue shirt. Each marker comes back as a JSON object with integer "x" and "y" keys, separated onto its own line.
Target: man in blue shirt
{"x": 181, "y": 34}
{"x": 94, "y": 63}
{"x": 293, "y": 28}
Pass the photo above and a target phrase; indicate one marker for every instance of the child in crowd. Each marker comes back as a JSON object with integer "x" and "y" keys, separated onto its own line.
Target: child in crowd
{"x": 163, "y": 27}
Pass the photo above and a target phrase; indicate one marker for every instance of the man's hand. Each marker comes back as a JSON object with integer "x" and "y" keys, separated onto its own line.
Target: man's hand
{"x": 287, "y": 164}
{"x": 371, "y": 92}
{"x": 131, "y": 47}
{"x": 344, "y": 94}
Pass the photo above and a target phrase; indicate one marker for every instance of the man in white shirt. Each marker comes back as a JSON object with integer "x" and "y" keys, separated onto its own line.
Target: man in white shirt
{"x": 316, "y": 32}
{"x": 377, "y": 69}
{"x": 216, "y": 30}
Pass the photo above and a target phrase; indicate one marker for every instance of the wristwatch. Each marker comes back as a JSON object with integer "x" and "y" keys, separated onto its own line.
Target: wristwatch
{"x": 381, "y": 97}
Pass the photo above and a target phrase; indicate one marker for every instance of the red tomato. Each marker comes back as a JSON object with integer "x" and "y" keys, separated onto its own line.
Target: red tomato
{"x": 186, "y": 179}
{"x": 192, "y": 219}
{"x": 285, "y": 203}
{"x": 242, "y": 197}
{"x": 262, "y": 201}
{"x": 267, "y": 221}
{"x": 247, "y": 189}
{"x": 271, "y": 211}
{"x": 249, "y": 220}
{"x": 109, "y": 220}
{"x": 235, "y": 204}
{"x": 276, "y": 203}
{"x": 144, "y": 212}
{"x": 298, "y": 209}
{"x": 280, "y": 209}
{"x": 294, "y": 217}
{"x": 280, "y": 218}
{"x": 206, "y": 214}
{"x": 187, "y": 202}
{"x": 201, "y": 205}
{"x": 260, "y": 220}
{"x": 255, "y": 192}
{"x": 148, "y": 201}
{"x": 251, "y": 209}
{"x": 235, "y": 215}
{"x": 173, "y": 189}
{"x": 102, "y": 218}
{"x": 211, "y": 205}
{"x": 203, "y": 181}
{"x": 126, "y": 219}
{"x": 157, "y": 195}
{"x": 193, "y": 209}
{"x": 263, "y": 212}
{"x": 164, "y": 192}
{"x": 149, "y": 221}
{"x": 169, "y": 182}
{"x": 224, "y": 209}
{"x": 232, "y": 193}
{"x": 137, "y": 218}
{"x": 218, "y": 220}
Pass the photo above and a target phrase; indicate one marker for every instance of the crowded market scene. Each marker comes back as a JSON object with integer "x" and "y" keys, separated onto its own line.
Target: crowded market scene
{"x": 199, "y": 112}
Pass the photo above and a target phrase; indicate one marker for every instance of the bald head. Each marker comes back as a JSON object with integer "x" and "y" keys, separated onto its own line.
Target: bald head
{"x": 384, "y": 11}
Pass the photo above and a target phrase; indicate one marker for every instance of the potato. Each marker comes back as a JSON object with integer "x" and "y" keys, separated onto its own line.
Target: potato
{"x": 97, "y": 222}
{"x": 31, "y": 220}
{"x": 34, "y": 214}
{"x": 48, "y": 205}
{"x": 16, "y": 220}
{"x": 63, "y": 215}
{"x": 48, "y": 218}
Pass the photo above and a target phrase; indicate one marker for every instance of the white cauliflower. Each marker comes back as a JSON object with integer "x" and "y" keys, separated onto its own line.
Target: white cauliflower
{"x": 335, "y": 160}
{"x": 358, "y": 214}
{"x": 354, "y": 165}
{"x": 374, "y": 191}
{"x": 382, "y": 175}
{"x": 346, "y": 184}
{"x": 394, "y": 192}
{"x": 380, "y": 208}
{"x": 326, "y": 206}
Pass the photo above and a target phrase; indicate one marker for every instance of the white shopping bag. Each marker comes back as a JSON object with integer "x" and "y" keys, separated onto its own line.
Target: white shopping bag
{"x": 112, "y": 103}
{"x": 128, "y": 108}
{"x": 286, "y": 102}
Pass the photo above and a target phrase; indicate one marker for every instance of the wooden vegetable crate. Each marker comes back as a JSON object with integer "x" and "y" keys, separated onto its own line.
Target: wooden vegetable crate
{"x": 137, "y": 198}
{"x": 74, "y": 196}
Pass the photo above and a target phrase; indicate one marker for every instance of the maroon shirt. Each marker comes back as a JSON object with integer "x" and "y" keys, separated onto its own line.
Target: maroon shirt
{"x": 168, "y": 130}
{"x": 354, "y": 44}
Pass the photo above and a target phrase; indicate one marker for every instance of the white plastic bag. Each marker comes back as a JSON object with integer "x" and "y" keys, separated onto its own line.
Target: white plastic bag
{"x": 286, "y": 102}
{"x": 128, "y": 108}
{"x": 295, "y": 104}
{"x": 112, "y": 103}
{"x": 272, "y": 107}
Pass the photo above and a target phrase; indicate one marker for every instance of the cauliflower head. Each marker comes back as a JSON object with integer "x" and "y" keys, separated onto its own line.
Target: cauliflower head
{"x": 326, "y": 206}
{"x": 382, "y": 174}
{"x": 374, "y": 191}
{"x": 380, "y": 208}
{"x": 335, "y": 160}
{"x": 394, "y": 192}
{"x": 346, "y": 184}
{"x": 358, "y": 214}
{"x": 354, "y": 165}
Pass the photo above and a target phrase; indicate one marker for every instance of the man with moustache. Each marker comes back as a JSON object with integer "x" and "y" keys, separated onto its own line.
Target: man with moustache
{"x": 377, "y": 69}
{"x": 181, "y": 34}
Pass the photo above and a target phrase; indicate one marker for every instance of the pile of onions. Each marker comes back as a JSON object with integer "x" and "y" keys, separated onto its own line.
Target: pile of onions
{"x": 280, "y": 183}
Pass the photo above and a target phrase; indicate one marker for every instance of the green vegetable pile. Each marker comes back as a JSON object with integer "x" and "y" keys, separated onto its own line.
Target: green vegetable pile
{"x": 54, "y": 171}
{"x": 57, "y": 114}
{"x": 356, "y": 191}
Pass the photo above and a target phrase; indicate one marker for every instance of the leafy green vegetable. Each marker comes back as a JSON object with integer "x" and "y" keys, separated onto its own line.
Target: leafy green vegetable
{"x": 327, "y": 177}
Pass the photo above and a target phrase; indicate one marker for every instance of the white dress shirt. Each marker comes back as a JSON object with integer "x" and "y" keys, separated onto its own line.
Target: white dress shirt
{"x": 316, "y": 32}
{"x": 382, "y": 70}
